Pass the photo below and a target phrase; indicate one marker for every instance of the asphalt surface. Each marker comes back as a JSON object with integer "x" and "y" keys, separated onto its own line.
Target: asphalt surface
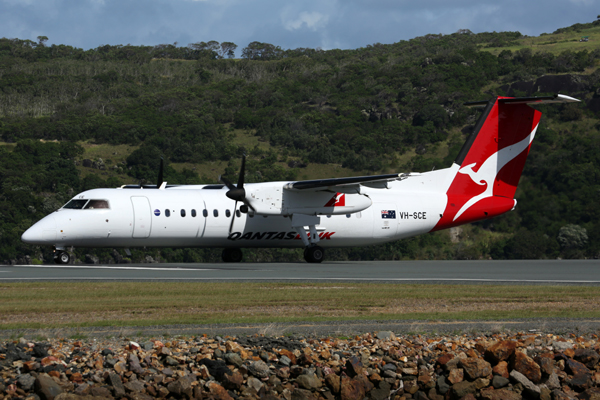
{"x": 562, "y": 272}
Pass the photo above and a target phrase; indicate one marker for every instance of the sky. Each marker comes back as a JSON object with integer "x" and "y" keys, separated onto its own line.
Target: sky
{"x": 328, "y": 24}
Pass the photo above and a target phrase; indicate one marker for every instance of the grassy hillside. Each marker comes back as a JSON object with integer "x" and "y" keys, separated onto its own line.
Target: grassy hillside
{"x": 71, "y": 120}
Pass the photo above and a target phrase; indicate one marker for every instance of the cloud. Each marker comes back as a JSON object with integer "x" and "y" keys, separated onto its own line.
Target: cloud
{"x": 312, "y": 20}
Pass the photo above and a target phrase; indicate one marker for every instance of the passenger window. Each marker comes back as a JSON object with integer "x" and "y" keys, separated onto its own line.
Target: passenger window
{"x": 238, "y": 213}
{"x": 205, "y": 213}
{"x": 216, "y": 213}
{"x": 193, "y": 212}
{"x": 167, "y": 213}
{"x": 227, "y": 213}
{"x": 182, "y": 212}
{"x": 96, "y": 204}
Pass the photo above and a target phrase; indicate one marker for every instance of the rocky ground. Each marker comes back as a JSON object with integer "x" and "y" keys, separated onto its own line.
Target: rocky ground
{"x": 373, "y": 366}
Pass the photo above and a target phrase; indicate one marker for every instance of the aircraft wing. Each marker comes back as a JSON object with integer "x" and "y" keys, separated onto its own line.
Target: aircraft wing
{"x": 375, "y": 181}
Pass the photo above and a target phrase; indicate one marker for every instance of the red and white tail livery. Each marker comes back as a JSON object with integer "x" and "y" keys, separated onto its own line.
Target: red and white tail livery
{"x": 315, "y": 214}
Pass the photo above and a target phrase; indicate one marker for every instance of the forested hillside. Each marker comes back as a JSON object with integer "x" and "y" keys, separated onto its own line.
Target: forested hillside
{"x": 71, "y": 120}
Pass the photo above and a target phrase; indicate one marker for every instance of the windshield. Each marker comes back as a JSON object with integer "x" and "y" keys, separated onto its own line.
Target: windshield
{"x": 75, "y": 204}
{"x": 96, "y": 204}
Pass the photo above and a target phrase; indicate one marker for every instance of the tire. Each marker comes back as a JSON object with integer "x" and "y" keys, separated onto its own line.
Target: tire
{"x": 62, "y": 258}
{"x": 314, "y": 254}
{"x": 232, "y": 255}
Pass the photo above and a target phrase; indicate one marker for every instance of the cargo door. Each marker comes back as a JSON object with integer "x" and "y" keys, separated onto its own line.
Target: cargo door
{"x": 384, "y": 220}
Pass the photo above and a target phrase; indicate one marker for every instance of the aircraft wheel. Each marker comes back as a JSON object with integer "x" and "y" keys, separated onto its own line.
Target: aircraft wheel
{"x": 232, "y": 255}
{"x": 62, "y": 258}
{"x": 314, "y": 254}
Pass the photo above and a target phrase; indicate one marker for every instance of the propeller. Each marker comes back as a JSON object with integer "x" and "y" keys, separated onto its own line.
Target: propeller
{"x": 237, "y": 193}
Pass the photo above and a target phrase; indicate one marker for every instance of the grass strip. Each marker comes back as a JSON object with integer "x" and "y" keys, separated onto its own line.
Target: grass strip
{"x": 59, "y": 304}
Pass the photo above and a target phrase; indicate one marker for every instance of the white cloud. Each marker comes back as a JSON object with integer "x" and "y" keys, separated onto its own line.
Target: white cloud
{"x": 313, "y": 21}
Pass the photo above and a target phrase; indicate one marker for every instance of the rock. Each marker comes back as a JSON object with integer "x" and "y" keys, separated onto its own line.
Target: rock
{"x": 525, "y": 365}
{"x": 553, "y": 382}
{"x": 309, "y": 382}
{"x": 233, "y": 359}
{"x": 501, "y": 369}
{"x": 354, "y": 367}
{"x": 182, "y": 386}
{"x": 590, "y": 394}
{"x": 499, "y": 394}
{"x": 500, "y": 351}
{"x": 386, "y": 335}
{"x": 218, "y": 391}
{"x": 476, "y": 367}
{"x": 546, "y": 365}
{"x": 26, "y": 382}
{"x": 562, "y": 346}
{"x": 134, "y": 386}
{"x": 115, "y": 381}
{"x": 420, "y": 396}
{"x": 284, "y": 360}
{"x": 499, "y": 382}
{"x": 456, "y": 375}
{"x": 582, "y": 376}
{"x": 532, "y": 389}
{"x": 171, "y": 361}
{"x": 588, "y": 357}
{"x": 91, "y": 259}
{"x": 302, "y": 394}
{"x": 46, "y": 387}
{"x": 254, "y": 383}
{"x": 134, "y": 364}
{"x": 442, "y": 386}
{"x": 560, "y": 395}
{"x": 258, "y": 369}
{"x": 233, "y": 381}
{"x": 463, "y": 388}
{"x": 333, "y": 381}
{"x": 355, "y": 388}
{"x": 382, "y": 392}
{"x": 101, "y": 391}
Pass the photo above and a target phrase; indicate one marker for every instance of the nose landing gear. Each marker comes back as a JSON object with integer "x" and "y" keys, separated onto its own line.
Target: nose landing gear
{"x": 61, "y": 257}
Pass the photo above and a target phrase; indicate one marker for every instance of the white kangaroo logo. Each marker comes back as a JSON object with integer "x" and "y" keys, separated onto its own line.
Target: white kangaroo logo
{"x": 490, "y": 168}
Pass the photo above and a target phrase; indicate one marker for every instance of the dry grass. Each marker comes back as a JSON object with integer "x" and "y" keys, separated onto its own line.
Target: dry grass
{"x": 55, "y": 305}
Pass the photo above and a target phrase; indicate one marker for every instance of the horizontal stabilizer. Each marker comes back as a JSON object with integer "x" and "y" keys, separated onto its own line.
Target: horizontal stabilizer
{"x": 557, "y": 98}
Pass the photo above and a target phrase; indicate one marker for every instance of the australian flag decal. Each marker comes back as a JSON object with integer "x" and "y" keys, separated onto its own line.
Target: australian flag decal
{"x": 388, "y": 214}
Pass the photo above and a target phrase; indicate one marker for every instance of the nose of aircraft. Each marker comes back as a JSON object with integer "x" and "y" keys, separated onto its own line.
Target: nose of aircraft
{"x": 41, "y": 233}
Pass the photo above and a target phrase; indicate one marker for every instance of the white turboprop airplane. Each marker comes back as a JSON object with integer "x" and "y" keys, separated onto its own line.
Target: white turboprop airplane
{"x": 316, "y": 214}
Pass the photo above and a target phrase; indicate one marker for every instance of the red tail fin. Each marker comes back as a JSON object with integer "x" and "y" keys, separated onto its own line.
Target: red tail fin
{"x": 492, "y": 160}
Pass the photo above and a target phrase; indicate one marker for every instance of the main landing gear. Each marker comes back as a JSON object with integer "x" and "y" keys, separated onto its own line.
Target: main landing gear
{"x": 232, "y": 255}
{"x": 314, "y": 254}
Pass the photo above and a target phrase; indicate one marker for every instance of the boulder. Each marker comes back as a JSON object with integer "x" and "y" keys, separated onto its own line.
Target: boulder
{"x": 501, "y": 351}
{"x": 525, "y": 365}
{"x": 476, "y": 367}
{"x": 47, "y": 388}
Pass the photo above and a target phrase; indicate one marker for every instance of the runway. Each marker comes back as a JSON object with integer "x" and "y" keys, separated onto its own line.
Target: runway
{"x": 546, "y": 272}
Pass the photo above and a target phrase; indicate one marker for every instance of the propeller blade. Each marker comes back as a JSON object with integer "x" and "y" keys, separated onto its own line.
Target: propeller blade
{"x": 240, "y": 184}
{"x": 227, "y": 183}
{"x": 232, "y": 218}
{"x": 159, "y": 181}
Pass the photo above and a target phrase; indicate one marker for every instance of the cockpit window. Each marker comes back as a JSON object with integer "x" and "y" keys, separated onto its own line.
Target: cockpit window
{"x": 96, "y": 204}
{"x": 75, "y": 204}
